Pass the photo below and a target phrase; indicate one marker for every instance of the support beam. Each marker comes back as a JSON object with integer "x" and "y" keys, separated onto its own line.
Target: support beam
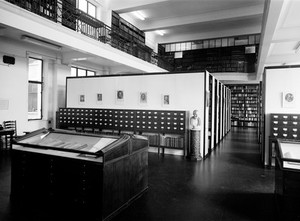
{"x": 133, "y": 5}
{"x": 272, "y": 11}
{"x": 212, "y": 17}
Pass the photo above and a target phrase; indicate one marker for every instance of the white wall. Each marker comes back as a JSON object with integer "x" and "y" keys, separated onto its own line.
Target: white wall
{"x": 14, "y": 84}
{"x": 186, "y": 92}
{"x": 276, "y": 82}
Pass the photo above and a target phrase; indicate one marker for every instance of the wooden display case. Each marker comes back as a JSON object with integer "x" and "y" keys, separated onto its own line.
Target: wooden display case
{"x": 83, "y": 174}
{"x": 287, "y": 179}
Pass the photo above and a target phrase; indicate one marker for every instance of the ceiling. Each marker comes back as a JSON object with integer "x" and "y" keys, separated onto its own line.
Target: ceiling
{"x": 278, "y": 21}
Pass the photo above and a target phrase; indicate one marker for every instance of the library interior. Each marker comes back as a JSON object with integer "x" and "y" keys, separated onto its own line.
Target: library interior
{"x": 149, "y": 110}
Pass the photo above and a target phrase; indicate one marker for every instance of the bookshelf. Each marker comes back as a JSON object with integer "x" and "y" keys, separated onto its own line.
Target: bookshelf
{"x": 244, "y": 105}
{"x": 222, "y": 59}
{"x": 129, "y": 31}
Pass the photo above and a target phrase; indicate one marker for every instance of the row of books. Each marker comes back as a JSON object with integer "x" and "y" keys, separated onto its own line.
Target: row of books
{"x": 165, "y": 140}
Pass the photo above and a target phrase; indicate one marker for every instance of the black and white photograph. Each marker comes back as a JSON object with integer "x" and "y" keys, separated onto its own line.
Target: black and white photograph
{"x": 150, "y": 110}
{"x": 81, "y": 98}
{"x": 99, "y": 97}
{"x": 288, "y": 99}
{"x": 119, "y": 96}
{"x": 143, "y": 98}
{"x": 166, "y": 99}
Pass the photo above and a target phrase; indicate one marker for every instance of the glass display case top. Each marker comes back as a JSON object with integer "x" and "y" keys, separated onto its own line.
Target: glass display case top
{"x": 290, "y": 154}
{"x": 71, "y": 142}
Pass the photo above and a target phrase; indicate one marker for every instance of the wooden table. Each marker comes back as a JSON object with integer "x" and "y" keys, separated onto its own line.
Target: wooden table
{"x": 6, "y": 132}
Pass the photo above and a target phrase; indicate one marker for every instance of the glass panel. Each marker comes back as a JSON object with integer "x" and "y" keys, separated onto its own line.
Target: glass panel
{"x": 34, "y": 101}
{"x": 218, "y": 43}
{"x": 35, "y": 70}
{"x": 91, "y": 73}
{"x": 230, "y": 41}
{"x": 173, "y": 47}
{"x": 92, "y": 10}
{"x": 257, "y": 39}
{"x": 188, "y": 45}
{"x": 224, "y": 42}
{"x": 194, "y": 46}
{"x": 81, "y": 72}
{"x": 183, "y": 48}
{"x": 168, "y": 48}
{"x": 83, "y": 5}
{"x": 251, "y": 39}
{"x": 73, "y": 72}
{"x": 178, "y": 47}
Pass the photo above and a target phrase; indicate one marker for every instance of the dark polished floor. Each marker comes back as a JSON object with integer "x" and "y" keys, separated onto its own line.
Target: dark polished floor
{"x": 230, "y": 185}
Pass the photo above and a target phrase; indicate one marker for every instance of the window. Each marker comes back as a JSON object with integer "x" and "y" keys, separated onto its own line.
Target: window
{"x": 80, "y": 72}
{"x": 35, "y": 88}
{"x": 87, "y": 7}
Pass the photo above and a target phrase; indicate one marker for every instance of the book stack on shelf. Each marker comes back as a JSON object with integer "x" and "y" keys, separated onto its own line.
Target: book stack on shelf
{"x": 244, "y": 105}
{"x": 172, "y": 141}
{"x": 154, "y": 139}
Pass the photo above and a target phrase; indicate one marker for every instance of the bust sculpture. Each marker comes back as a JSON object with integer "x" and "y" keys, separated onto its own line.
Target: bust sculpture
{"x": 195, "y": 120}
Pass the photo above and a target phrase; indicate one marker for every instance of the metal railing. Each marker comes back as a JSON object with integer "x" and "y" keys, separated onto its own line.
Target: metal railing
{"x": 61, "y": 11}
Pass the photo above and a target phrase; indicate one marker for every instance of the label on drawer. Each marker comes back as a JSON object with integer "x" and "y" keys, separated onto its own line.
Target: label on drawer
{"x": 295, "y": 123}
{"x": 285, "y": 122}
{"x": 284, "y": 129}
{"x": 275, "y": 122}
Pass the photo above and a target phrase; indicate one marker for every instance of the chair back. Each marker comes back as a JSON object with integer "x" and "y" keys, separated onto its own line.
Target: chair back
{"x": 11, "y": 124}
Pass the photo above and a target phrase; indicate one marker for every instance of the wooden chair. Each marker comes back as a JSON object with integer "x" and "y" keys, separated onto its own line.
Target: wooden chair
{"x": 11, "y": 124}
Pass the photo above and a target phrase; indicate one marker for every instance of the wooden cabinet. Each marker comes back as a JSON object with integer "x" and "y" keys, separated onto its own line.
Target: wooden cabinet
{"x": 287, "y": 179}
{"x": 89, "y": 184}
{"x": 164, "y": 128}
{"x": 283, "y": 126}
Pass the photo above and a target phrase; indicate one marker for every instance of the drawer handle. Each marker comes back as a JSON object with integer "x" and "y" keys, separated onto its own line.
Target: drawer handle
{"x": 285, "y": 122}
{"x": 285, "y": 117}
{"x": 295, "y": 129}
{"x": 295, "y": 135}
{"x": 275, "y": 134}
{"x": 285, "y": 135}
{"x": 285, "y": 129}
{"x": 275, "y": 128}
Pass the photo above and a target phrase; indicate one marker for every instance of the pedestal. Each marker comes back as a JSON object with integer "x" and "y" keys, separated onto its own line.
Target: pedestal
{"x": 195, "y": 145}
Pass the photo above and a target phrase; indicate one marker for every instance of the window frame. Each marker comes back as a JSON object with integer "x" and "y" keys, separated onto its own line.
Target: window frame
{"x": 87, "y": 8}
{"x": 41, "y": 83}
{"x": 85, "y": 70}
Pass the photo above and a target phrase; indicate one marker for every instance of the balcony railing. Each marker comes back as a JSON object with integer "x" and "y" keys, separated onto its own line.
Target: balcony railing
{"x": 61, "y": 11}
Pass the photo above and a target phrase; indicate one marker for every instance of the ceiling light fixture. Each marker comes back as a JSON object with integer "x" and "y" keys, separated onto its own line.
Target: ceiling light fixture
{"x": 139, "y": 15}
{"x": 40, "y": 42}
{"x": 160, "y": 32}
{"x": 297, "y": 48}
